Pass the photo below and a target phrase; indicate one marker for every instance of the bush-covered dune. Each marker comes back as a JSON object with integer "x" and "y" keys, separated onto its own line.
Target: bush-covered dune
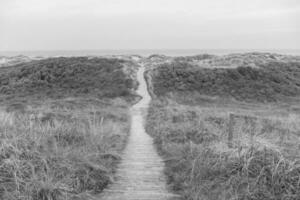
{"x": 63, "y": 124}
{"x": 65, "y": 77}
{"x": 189, "y": 119}
{"x": 269, "y": 82}
{"x": 253, "y": 59}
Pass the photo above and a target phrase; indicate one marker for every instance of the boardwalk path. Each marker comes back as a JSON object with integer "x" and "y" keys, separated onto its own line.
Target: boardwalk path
{"x": 140, "y": 174}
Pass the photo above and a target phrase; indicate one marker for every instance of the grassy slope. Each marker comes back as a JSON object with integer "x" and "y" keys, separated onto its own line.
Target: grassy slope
{"x": 199, "y": 164}
{"x": 193, "y": 136}
{"x": 63, "y": 123}
{"x": 270, "y": 82}
{"x": 65, "y": 77}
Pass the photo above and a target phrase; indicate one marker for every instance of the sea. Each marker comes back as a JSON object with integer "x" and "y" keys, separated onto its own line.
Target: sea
{"x": 146, "y": 52}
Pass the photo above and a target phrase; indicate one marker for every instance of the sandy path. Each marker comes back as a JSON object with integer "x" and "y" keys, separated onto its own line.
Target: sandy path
{"x": 140, "y": 173}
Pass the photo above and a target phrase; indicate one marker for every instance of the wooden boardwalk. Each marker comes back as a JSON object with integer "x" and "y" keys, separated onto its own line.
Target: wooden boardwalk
{"x": 140, "y": 173}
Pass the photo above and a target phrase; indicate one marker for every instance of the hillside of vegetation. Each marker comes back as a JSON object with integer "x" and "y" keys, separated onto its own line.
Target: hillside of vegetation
{"x": 208, "y": 153}
{"x": 65, "y": 77}
{"x": 193, "y": 141}
{"x": 13, "y": 60}
{"x": 237, "y": 59}
{"x": 63, "y": 125}
{"x": 267, "y": 83}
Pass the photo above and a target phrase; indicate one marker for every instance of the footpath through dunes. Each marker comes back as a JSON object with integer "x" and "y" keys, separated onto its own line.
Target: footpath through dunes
{"x": 140, "y": 173}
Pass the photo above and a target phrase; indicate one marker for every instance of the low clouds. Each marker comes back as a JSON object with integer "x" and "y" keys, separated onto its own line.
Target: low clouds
{"x": 142, "y": 24}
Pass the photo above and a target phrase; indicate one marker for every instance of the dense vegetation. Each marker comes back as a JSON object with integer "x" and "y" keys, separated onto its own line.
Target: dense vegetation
{"x": 189, "y": 120}
{"x": 63, "y": 125}
{"x": 269, "y": 82}
{"x": 199, "y": 164}
{"x": 61, "y": 150}
{"x": 65, "y": 77}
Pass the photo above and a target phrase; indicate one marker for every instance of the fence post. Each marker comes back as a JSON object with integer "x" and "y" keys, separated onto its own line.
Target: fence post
{"x": 201, "y": 124}
{"x": 230, "y": 130}
{"x": 283, "y": 134}
{"x": 252, "y": 131}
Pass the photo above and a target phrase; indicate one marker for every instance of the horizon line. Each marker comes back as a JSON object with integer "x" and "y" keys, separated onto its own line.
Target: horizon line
{"x": 150, "y": 49}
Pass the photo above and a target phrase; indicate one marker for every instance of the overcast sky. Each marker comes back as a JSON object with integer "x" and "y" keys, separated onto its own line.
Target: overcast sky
{"x": 149, "y": 24}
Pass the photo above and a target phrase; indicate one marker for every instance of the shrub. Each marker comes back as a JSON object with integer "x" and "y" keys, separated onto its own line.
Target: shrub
{"x": 270, "y": 82}
{"x": 65, "y": 77}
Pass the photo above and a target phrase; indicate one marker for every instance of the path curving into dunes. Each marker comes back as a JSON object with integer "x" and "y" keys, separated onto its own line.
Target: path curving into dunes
{"x": 140, "y": 173}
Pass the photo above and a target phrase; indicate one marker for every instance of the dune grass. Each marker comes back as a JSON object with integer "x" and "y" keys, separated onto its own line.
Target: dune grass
{"x": 189, "y": 119}
{"x": 200, "y": 165}
{"x": 268, "y": 82}
{"x": 55, "y": 152}
{"x": 63, "y": 124}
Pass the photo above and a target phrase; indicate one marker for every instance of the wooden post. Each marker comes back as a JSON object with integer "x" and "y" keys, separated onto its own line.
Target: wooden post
{"x": 252, "y": 131}
{"x": 201, "y": 124}
{"x": 230, "y": 130}
{"x": 283, "y": 135}
{"x": 265, "y": 154}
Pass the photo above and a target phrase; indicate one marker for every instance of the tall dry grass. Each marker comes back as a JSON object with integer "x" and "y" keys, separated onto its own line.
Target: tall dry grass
{"x": 200, "y": 165}
{"x": 53, "y": 152}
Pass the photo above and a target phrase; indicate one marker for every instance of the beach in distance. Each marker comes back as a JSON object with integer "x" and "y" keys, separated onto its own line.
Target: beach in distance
{"x": 145, "y": 52}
